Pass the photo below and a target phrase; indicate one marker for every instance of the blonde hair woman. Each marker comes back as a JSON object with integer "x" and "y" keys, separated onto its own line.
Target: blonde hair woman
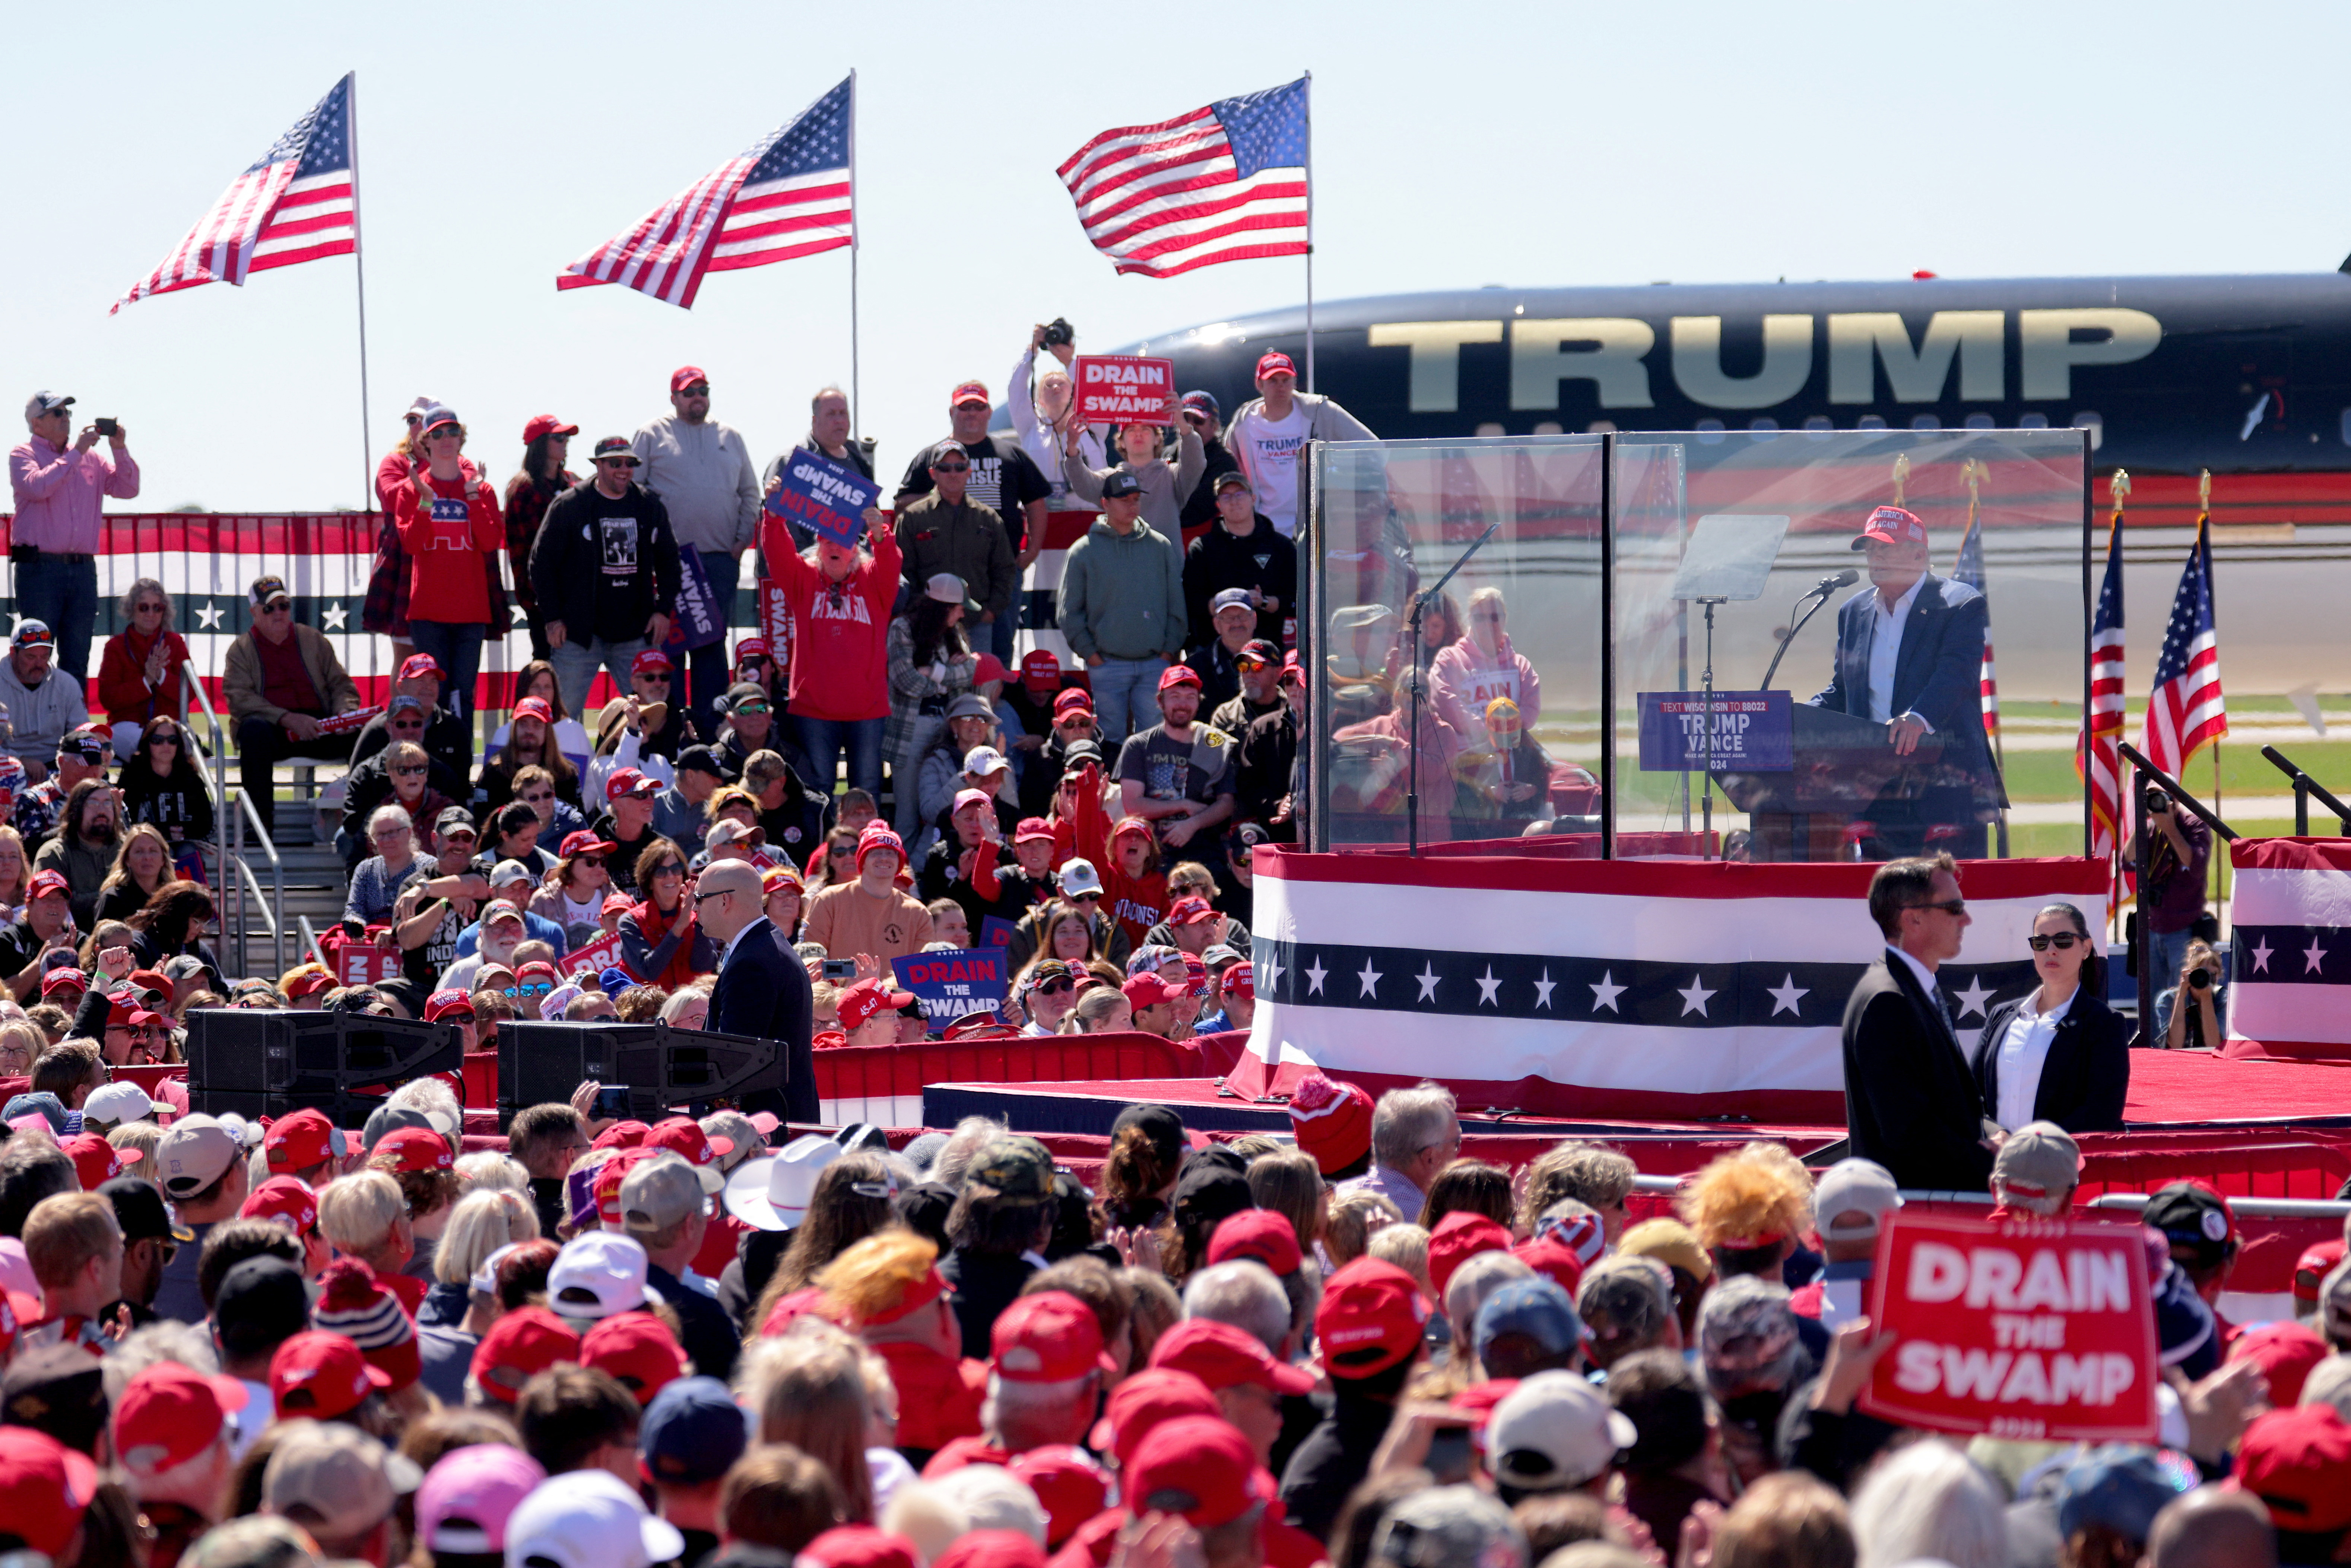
{"x": 808, "y": 1390}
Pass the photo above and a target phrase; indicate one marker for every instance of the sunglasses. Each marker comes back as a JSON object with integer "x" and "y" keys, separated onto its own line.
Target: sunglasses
{"x": 654, "y": 680}
{"x": 950, "y": 467}
{"x": 592, "y": 860}
{"x": 1949, "y": 906}
{"x": 750, "y": 707}
{"x": 2061, "y": 941}
{"x": 1085, "y": 898}
{"x": 705, "y": 897}
{"x": 410, "y": 771}
{"x": 661, "y": 871}
{"x": 537, "y": 799}
{"x": 146, "y": 610}
{"x": 1056, "y": 988}
{"x": 164, "y": 740}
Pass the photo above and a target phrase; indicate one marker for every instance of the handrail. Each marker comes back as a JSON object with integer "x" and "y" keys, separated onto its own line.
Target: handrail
{"x": 310, "y": 940}
{"x": 195, "y": 688}
{"x": 2258, "y": 1207}
{"x": 2304, "y": 787}
{"x": 243, "y": 816}
{"x": 2139, "y": 836}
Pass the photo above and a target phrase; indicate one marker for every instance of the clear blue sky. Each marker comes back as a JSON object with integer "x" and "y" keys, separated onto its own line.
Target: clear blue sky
{"x": 1544, "y": 144}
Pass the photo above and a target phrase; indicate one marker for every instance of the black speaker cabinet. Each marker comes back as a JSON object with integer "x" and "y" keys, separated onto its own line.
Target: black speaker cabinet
{"x": 269, "y": 1063}
{"x": 661, "y": 1067}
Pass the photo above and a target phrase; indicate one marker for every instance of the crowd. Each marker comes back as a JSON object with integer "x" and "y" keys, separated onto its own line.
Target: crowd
{"x": 609, "y": 1344}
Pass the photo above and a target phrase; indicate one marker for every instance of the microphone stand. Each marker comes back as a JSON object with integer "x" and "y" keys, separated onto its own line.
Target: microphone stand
{"x": 1820, "y": 596}
{"x": 1420, "y": 603}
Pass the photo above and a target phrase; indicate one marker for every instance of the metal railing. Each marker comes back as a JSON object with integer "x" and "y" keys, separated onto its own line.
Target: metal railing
{"x": 310, "y": 943}
{"x": 2304, "y": 787}
{"x": 238, "y": 807}
{"x": 218, "y": 751}
{"x": 2250, "y": 1208}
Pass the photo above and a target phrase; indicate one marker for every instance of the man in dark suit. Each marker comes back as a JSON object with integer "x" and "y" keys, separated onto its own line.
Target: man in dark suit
{"x": 763, "y": 988}
{"x": 1910, "y": 1101}
{"x": 1909, "y": 655}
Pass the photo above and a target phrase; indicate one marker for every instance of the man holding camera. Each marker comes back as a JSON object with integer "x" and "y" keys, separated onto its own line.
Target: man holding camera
{"x": 61, "y": 494}
{"x": 2171, "y": 902}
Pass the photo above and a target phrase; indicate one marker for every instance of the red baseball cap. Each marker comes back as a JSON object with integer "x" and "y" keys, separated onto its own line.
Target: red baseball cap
{"x": 1179, "y": 675}
{"x": 1331, "y": 1120}
{"x": 287, "y": 1200}
{"x": 2298, "y": 1462}
{"x": 300, "y": 1139}
{"x": 685, "y": 1134}
{"x": 750, "y": 648}
{"x": 1069, "y": 702}
{"x": 858, "y": 1546}
{"x": 628, "y": 781}
{"x": 414, "y": 1149}
{"x": 1069, "y": 1483}
{"x": 625, "y": 1134}
{"x": 1191, "y": 910}
{"x": 1148, "y": 990}
{"x": 1241, "y": 980}
{"x": 991, "y": 1549}
{"x": 2310, "y": 1271}
{"x": 649, "y": 661}
{"x": 1459, "y": 1237}
{"x": 37, "y": 1474}
{"x": 583, "y": 842}
{"x": 45, "y": 882}
{"x": 519, "y": 1347}
{"x": 1263, "y": 1234}
{"x": 1049, "y": 1337}
{"x": 685, "y": 376}
{"x": 96, "y": 1160}
{"x": 1554, "y": 1258}
{"x": 1198, "y": 1466}
{"x": 638, "y": 1349}
{"x": 1040, "y": 669}
{"x": 988, "y": 667}
{"x": 612, "y": 1174}
{"x": 1273, "y": 361}
{"x": 1032, "y": 828}
{"x": 1146, "y": 1402}
{"x": 171, "y": 1412}
{"x": 539, "y": 967}
{"x": 1371, "y": 1317}
{"x": 1891, "y": 525}
{"x": 418, "y": 665}
{"x": 442, "y": 1004}
{"x": 323, "y": 1375}
{"x": 309, "y": 981}
{"x": 545, "y": 424}
{"x": 967, "y": 392}
{"x": 534, "y": 707}
{"x": 861, "y": 1001}
{"x": 65, "y": 978}
{"x": 2287, "y": 1353}
{"x": 1223, "y": 1356}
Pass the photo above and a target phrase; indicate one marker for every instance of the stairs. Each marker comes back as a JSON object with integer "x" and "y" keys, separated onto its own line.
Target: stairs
{"x": 315, "y": 886}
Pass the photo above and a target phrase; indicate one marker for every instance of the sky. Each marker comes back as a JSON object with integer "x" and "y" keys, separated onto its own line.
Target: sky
{"x": 1541, "y": 145}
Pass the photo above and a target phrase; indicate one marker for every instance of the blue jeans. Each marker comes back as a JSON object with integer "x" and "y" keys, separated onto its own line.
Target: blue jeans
{"x": 999, "y": 633}
{"x": 2166, "y": 952}
{"x": 824, "y": 739}
{"x": 709, "y": 665}
{"x": 1126, "y": 698}
{"x": 63, "y": 596}
{"x": 458, "y": 648}
{"x": 576, "y": 663}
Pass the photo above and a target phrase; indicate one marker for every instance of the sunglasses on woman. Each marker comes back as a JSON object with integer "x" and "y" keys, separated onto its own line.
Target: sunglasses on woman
{"x": 2060, "y": 940}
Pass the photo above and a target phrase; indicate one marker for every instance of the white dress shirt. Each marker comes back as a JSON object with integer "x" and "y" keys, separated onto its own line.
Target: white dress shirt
{"x": 2023, "y": 1051}
{"x": 1886, "y": 650}
{"x": 1925, "y": 975}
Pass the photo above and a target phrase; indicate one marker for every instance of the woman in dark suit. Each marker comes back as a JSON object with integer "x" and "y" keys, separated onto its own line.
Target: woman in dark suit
{"x": 2059, "y": 1054}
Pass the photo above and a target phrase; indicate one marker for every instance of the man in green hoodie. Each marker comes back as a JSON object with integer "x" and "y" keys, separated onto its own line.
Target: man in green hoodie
{"x": 1121, "y": 608}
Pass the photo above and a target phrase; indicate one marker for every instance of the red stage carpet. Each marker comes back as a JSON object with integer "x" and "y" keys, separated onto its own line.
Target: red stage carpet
{"x": 2189, "y": 1086}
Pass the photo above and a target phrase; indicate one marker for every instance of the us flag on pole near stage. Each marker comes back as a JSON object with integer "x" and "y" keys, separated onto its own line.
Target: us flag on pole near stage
{"x": 1226, "y": 182}
{"x": 788, "y": 196}
{"x": 2187, "y": 711}
{"x": 295, "y": 203}
{"x": 2098, "y": 762}
{"x": 1970, "y": 572}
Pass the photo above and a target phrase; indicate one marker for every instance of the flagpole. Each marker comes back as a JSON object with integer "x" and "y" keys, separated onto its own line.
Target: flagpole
{"x": 358, "y": 271}
{"x": 1310, "y": 231}
{"x": 856, "y": 403}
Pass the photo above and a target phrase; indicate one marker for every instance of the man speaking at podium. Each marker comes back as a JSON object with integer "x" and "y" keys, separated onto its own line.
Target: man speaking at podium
{"x": 1909, "y": 655}
{"x": 763, "y": 988}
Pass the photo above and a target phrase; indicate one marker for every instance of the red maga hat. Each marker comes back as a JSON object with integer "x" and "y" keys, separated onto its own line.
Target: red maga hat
{"x": 2298, "y": 1462}
{"x": 1179, "y": 675}
{"x": 171, "y": 1412}
{"x": 1371, "y": 1317}
{"x": 685, "y": 376}
{"x": 1262, "y": 1234}
{"x": 287, "y": 1200}
{"x": 1049, "y": 1337}
{"x": 520, "y": 1345}
{"x": 638, "y": 1349}
{"x": 322, "y": 1375}
{"x": 541, "y": 425}
{"x": 1146, "y": 1402}
{"x": 1891, "y": 525}
{"x": 1331, "y": 1120}
{"x": 1272, "y": 361}
{"x": 1198, "y": 1466}
{"x": 967, "y": 392}
{"x": 1223, "y": 1356}
{"x": 415, "y": 1150}
{"x": 1459, "y": 1237}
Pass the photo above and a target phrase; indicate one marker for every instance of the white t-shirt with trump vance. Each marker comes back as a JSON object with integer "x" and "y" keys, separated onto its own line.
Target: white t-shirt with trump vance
{"x": 1269, "y": 451}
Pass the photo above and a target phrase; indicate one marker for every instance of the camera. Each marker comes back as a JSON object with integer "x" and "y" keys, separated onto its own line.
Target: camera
{"x": 2157, "y": 802}
{"x": 612, "y": 1102}
{"x": 841, "y": 968}
{"x": 1058, "y": 331}
{"x": 2200, "y": 979}
{"x": 108, "y": 428}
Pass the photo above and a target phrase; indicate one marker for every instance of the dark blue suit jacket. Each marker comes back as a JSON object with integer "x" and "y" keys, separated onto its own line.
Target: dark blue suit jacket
{"x": 1937, "y": 675}
{"x": 763, "y": 991}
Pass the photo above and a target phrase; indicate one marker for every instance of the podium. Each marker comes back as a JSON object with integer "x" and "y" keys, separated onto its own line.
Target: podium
{"x": 1845, "y": 769}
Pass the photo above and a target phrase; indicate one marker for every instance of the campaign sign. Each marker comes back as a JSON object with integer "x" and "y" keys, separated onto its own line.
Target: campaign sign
{"x": 952, "y": 984}
{"x": 602, "y": 953}
{"x": 701, "y": 619}
{"x": 831, "y": 498}
{"x": 1754, "y": 732}
{"x": 2027, "y": 1328}
{"x": 1123, "y": 389}
{"x": 994, "y": 931}
{"x": 362, "y": 963}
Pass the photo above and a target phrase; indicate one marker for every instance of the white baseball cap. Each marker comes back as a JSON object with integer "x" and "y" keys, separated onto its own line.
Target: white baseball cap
{"x": 597, "y": 1276}
{"x": 1079, "y": 878}
{"x": 981, "y": 762}
{"x": 772, "y": 1193}
{"x": 114, "y": 1104}
{"x": 1850, "y": 1184}
{"x": 196, "y": 1150}
{"x": 588, "y": 1519}
{"x": 1555, "y": 1431}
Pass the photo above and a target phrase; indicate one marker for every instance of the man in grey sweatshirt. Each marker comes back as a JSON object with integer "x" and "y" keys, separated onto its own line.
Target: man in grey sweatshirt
{"x": 1121, "y": 608}
{"x": 703, "y": 473}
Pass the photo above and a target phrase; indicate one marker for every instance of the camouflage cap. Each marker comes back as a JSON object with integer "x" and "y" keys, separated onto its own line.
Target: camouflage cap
{"x": 1017, "y": 1167}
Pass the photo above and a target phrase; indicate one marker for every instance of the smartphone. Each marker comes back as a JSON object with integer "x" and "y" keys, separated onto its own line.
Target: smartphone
{"x": 839, "y": 968}
{"x": 1448, "y": 1456}
{"x": 108, "y": 428}
{"x": 612, "y": 1102}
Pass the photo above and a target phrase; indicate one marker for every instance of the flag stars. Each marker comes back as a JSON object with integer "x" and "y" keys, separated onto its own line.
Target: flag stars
{"x": 1604, "y": 993}
{"x": 1371, "y": 978}
{"x": 2261, "y": 952}
{"x": 1787, "y": 995}
{"x": 2313, "y": 958}
{"x": 1487, "y": 986}
{"x": 1694, "y": 996}
{"x": 1315, "y": 974}
{"x": 1427, "y": 978}
{"x": 208, "y": 617}
{"x": 1973, "y": 998}
{"x": 1543, "y": 989}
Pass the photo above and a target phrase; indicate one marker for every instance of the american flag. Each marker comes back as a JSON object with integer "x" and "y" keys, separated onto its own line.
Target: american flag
{"x": 295, "y": 203}
{"x": 1226, "y": 182}
{"x": 788, "y": 196}
{"x": 2095, "y": 757}
{"x": 2186, "y": 711}
{"x": 1970, "y": 572}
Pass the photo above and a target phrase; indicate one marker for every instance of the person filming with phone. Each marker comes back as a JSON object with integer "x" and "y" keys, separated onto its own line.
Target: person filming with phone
{"x": 60, "y": 482}
{"x": 2171, "y": 901}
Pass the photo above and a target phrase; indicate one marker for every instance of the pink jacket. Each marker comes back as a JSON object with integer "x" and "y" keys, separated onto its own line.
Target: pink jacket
{"x": 59, "y": 504}
{"x": 1463, "y": 680}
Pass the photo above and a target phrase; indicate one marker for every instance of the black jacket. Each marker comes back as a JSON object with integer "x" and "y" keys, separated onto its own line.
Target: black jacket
{"x": 710, "y": 1338}
{"x": 181, "y": 805}
{"x": 1937, "y": 673}
{"x": 448, "y": 741}
{"x": 1201, "y": 506}
{"x": 603, "y": 566}
{"x": 763, "y": 990}
{"x": 1335, "y": 1456}
{"x": 2085, "y": 1074}
{"x": 1910, "y": 1102}
{"x": 984, "y": 1284}
{"x": 1216, "y": 560}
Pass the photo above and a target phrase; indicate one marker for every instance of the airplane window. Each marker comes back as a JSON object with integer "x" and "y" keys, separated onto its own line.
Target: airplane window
{"x": 1763, "y": 429}
{"x": 2036, "y": 422}
{"x": 1490, "y": 428}
{"x": 1709, "y": 431}
{"x": 2346, "y": 427}
{"x": 1979, "y": 422}
{"x": 1818, "y": 424}
{"x": 1598, "y": 427}
{"x": 1869, "y": 421}
{"x": 2094, "y": 422}
{"x": 1547, "y": 428}
{"x": 1926, "y": 422}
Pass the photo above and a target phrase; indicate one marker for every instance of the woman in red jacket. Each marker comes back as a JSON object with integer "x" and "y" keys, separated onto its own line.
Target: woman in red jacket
{"x": 839, "y": 610}
{"x": 139, "y": 674}
{"x": 450, "y": 525}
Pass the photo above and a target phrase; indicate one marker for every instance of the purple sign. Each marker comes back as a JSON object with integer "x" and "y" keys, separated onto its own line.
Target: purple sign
{"x": 1754, "y": 732}
{"x": 831, "y": 498}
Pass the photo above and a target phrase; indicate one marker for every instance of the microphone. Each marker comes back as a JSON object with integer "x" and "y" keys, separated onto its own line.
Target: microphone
{"x": 1820, "y": 590}
{"x": 1840, "y": 579}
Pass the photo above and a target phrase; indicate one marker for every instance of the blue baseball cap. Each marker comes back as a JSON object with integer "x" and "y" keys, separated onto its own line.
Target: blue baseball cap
{"x": 1539, "y": 1308}
{"x": 2118, "y": 1486}
{"x": 614, "y": 980}
{"x": 46, "y": 1106}
{"x": 1203, "y": 402}
{"x": 692, "y": 1432}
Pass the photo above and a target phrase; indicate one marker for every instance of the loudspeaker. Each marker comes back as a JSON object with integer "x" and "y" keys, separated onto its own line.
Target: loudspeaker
{"x": 661, "y": 1067}
{"x": 267, "y": 1063}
